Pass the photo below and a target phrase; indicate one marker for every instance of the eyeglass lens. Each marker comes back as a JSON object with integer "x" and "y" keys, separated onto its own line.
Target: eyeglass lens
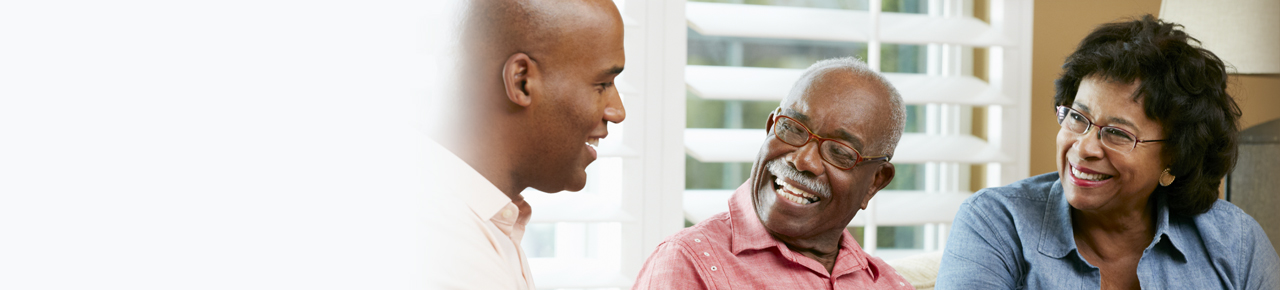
{"x": 1113, "y": 137}
{"x": 795, "y": 134}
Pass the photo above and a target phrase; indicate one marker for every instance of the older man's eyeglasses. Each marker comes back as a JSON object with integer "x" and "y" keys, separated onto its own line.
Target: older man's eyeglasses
{"x": 1114, "y": 138}
{"x": 834, "y": 152}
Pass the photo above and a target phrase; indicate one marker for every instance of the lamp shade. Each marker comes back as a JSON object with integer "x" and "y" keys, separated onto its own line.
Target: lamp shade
{"x": 1244, "y": 33}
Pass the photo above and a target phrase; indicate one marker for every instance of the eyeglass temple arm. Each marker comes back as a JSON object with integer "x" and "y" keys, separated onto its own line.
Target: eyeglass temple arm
{"x": 768, "y": 122}
{"x": 877, "y": 158}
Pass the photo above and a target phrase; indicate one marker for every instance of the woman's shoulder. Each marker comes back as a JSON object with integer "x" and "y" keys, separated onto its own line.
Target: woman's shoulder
{"x": 1235, "y": 242}
{"x": 1036, "y": 189}
{"x": 999, "y": 232}
{"x": 1225, "y": 223}
{"x": 1024, "y": 201}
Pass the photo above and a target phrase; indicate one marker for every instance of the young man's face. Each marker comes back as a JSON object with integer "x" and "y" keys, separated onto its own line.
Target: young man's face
{"x": 580, "y": 98}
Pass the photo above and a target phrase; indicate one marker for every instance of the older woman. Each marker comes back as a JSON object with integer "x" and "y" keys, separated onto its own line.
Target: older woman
{"x": 1148, "y": 131}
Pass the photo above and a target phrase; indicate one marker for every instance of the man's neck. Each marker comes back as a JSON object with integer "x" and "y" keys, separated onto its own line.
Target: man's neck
{"x": 496, "y": 168}
{"x": 822, "y": 248}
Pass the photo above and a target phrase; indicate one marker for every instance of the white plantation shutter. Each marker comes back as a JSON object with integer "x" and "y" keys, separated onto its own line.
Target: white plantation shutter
{"x": 635, "y": 195}
{"x": 945, "y": 148}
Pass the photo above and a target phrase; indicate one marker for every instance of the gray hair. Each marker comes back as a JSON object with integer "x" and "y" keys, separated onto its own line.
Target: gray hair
{"x": 897, "y": 114}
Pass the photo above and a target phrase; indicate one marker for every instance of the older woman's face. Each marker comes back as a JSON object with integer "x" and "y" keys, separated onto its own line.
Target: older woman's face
{"x": 1099, "y": 178}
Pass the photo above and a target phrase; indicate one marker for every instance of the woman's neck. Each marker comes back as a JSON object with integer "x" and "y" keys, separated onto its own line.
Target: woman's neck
{"x": 1115, "y": 232}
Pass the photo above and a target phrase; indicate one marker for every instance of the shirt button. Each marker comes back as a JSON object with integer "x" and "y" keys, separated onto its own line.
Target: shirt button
{"x": 697, "y": 240}
{"x": 506, "y": 213}
{"x": 706, "y": 254}
{"x": 713, "y": 268}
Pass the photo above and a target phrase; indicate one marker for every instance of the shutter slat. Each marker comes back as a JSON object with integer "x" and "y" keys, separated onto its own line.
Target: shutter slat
{"x": 780, "y": 22}
{"x": 772, "y": 84}
{"x": 742, "y": 145}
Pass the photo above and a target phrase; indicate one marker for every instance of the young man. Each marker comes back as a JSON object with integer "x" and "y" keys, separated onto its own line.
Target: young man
{"x": 533, "y": 95}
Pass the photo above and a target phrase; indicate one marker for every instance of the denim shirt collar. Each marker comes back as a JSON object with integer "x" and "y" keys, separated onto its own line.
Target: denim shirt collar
{"x": 1058, "y": 239}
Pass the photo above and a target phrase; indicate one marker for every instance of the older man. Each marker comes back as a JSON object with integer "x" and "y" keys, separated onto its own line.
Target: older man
{"x": 826, "y": 155}
{"x": 534, "y": 92}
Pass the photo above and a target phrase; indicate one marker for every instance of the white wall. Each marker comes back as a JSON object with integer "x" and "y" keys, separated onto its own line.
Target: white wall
{"x": 211, "y": 145}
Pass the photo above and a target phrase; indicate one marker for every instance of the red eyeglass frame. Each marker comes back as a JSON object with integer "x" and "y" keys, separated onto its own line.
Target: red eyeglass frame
{"x": 778, "y": 114}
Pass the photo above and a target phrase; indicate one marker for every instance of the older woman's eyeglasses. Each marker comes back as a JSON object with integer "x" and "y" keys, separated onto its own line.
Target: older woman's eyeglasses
{"x": 1114, "y": 138}
{"x": 834, "y": 152}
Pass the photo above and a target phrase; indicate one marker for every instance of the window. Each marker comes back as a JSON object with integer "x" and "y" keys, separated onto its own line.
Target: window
{"x": 962, "y": 77}
{"x": 701, "y": 78}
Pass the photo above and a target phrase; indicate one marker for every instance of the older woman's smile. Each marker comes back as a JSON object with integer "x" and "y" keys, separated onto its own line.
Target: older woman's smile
{"x": 1076, "y": 172}
{"x": 1085, "y": 177}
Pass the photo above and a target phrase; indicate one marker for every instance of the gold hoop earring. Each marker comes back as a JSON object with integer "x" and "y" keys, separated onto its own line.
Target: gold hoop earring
{"x": 1165, "y": 178}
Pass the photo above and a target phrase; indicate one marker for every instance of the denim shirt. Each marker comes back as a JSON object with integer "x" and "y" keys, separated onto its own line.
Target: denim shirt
{"x": 1019, "y": 237}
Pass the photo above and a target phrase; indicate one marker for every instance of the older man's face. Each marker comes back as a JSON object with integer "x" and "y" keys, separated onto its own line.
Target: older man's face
{"x": 838, "y": 105}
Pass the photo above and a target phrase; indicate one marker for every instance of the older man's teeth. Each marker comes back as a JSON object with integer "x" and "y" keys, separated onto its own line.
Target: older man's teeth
{"x": 794, "y": 199}
{"x": 594, "y": 142}
{"x": 1088, "y": 176}
{"x": 794, "y": 194}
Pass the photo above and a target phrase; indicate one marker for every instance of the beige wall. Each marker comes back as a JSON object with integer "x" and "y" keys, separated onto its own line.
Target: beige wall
{"x": 1259, "y": 98}
{"x": 1059, "y": 27}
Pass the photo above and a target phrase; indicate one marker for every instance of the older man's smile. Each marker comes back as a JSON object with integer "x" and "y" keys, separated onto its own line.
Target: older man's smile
{"x": 790, "y": 184}
{"x": 789, "y": 192}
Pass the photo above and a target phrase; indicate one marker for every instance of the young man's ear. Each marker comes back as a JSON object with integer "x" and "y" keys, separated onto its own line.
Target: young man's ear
{"x": 884, "y": 174}
{"x": 519, "y": 73}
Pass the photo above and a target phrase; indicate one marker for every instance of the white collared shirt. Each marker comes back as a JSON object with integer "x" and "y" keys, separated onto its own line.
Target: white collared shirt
{"x": 473, "y": 229}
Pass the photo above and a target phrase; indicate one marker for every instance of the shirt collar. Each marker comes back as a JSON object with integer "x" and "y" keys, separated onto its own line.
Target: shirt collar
{"x": 852, "y": 257}
{"x": 1058, "y": 238}
{"x": 748, "y": 233}
{"x": 1164, "y": 229}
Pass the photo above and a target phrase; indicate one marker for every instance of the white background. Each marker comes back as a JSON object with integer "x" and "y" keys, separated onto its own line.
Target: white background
{"x": 212, "y": 144}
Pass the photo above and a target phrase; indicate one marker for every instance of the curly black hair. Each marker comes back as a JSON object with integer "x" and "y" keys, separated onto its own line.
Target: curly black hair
{"x": 1183, "y": 87}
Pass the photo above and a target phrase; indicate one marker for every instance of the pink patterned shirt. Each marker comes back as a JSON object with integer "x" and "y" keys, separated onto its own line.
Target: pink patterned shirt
{"x": 733, "y": 250}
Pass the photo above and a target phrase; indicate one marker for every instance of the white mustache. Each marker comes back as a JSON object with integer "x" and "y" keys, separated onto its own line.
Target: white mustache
{"x": 781, "y": 169}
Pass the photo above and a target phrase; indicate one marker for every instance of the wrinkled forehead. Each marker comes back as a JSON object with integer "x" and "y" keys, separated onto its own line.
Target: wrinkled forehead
{"x": 840, "y": 93}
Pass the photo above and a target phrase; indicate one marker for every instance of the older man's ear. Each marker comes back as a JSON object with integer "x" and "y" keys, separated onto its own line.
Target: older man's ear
{"x": 519, "y": 73}
{"x": 884, "y": 174}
